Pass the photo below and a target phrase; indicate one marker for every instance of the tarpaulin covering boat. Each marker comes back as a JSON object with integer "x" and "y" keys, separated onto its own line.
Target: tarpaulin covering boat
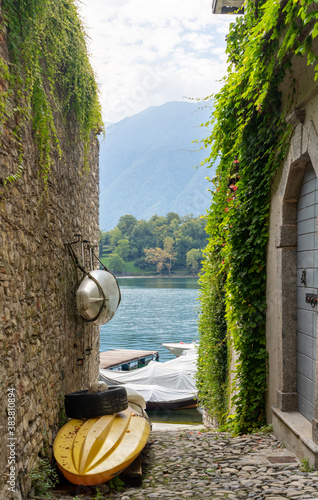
{"x": 162, "y": 385}
{"x": 178, "y": 348}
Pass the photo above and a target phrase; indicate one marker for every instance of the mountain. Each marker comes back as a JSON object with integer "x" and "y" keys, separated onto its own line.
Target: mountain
{"x": 147, "y": 164}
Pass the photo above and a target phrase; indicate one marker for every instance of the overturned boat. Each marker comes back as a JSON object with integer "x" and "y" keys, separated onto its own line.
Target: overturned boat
{"x": 91, "y": 451}
{"x": 164, "y": 386}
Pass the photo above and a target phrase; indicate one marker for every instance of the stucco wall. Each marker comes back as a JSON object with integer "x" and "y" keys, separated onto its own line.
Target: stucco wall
{"x": 41, "y": 334}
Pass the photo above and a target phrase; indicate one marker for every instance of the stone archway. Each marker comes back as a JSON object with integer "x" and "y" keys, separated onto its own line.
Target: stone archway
{"x": 303, "y": 156}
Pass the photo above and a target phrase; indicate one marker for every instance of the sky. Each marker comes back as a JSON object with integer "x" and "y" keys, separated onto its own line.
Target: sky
{"x": 148, "y": 52}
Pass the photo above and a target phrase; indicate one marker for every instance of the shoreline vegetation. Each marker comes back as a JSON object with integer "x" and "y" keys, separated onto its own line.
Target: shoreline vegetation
{"x": 158, "y": 276}
{"x": 162, "y": 246}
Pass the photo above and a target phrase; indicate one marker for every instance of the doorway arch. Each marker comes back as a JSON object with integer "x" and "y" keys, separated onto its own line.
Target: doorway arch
{"x": 301, "y": 169}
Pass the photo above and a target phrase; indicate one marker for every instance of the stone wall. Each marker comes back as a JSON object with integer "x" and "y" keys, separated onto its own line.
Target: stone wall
{"x": 41, "y": 334}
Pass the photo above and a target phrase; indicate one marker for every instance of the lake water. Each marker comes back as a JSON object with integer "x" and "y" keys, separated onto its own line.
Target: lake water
{"x": 153, "y": 311}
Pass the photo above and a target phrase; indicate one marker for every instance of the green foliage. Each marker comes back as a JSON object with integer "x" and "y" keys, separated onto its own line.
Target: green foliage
{"x": 116, "y": 263}
{"x": 305, "y": 466}
{"x": 99, "y": 495}
{"x": 14, "y": 177}
{"x": 4, "y": 94}
{"x": 250, "y": 136}
{"x": 123, "y": 249}
{"x": 49, "y": 74}
{"x": 212, "y": 373}
{"x": 173, "y": 236}
{"x": 266, "y": 429}
{"x": 126, "y": 224}
{"x": 157, "y": 256}
{"x": 116, "y": 484}
{"x": 43, "y": 477}
{"x": 194, "y": 257}
{"x": 62, "y": 413}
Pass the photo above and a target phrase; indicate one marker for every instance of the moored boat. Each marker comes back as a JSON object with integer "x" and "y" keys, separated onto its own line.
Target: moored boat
{"x": 178, "y": 404}
{"x": 169, "y": 385}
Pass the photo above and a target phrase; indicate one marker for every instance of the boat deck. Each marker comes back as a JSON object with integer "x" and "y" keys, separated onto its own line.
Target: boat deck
{"x": 125, "y": 358}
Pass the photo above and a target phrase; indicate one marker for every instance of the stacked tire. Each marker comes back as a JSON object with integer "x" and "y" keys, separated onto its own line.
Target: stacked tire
{"x": 82, "y": 404}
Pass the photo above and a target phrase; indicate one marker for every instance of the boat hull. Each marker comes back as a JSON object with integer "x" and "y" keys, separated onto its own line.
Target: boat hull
{"x": 185, "y": 404}
{"x": 93, "y": 451}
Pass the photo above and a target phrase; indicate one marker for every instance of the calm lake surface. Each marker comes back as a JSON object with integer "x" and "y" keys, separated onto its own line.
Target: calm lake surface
{"x": 153, "y": 311}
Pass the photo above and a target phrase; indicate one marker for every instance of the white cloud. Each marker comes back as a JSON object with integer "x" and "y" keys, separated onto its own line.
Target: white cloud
{"x": 146, "y": 52}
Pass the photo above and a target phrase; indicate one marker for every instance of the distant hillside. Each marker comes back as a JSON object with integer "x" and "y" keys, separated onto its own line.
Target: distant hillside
{"x": 147, "y": 164}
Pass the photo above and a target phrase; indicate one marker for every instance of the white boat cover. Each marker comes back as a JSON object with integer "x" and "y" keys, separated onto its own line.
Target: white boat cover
{"x": 177, "y": 348}
{"x": 159, "y": 382}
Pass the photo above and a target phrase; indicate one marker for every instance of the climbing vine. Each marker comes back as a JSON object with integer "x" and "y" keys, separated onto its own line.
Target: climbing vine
{"x": 48, "y": 74}
{"x": 250, "y": 136}
{"x": 212, "y": 375}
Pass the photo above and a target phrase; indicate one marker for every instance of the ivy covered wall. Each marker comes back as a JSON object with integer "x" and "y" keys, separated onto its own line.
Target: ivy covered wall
{"x": 251, "y": 136}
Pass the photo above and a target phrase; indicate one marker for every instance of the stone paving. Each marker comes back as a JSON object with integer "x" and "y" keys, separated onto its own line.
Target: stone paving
{"x": 193, "y": 463}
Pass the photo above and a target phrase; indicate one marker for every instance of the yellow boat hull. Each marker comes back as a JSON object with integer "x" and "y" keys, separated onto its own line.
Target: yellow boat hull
{"x": 93, "y": 451}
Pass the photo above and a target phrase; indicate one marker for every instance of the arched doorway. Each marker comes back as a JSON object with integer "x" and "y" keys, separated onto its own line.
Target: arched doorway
{"x": 292, "y": 287}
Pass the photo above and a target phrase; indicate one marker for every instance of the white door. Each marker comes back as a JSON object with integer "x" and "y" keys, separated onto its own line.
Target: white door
{"x": 307, "y": 286}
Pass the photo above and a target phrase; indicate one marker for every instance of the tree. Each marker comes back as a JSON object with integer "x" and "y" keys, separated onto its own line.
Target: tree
{"x": 104, "y": 242}
{"x": 141, "y": 238}
{"x": 156, "y": 256}
{"x": 168, "y": 244}
{"x": 173, "y": 216}
{"x": 116, "y": 263}
{"x": 126, "y": 224}
{"x": 183, "y": 245}
{"x": 194, "y": 257}
{"x": 115, "y": 237}
{"x": 123, "y": 249}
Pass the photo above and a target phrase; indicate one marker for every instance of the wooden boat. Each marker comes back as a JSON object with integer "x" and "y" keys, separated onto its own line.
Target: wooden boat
{"x": 93, "y": 451}
{"x": 126, "y": 359}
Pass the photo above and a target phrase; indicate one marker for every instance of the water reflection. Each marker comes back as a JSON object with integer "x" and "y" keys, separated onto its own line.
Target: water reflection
{"x": 159, "y": 282}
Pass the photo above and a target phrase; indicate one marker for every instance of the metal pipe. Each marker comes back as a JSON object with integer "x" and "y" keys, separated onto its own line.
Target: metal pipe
{"x": 83, "y": 257}
{"x": 91, "y": 257}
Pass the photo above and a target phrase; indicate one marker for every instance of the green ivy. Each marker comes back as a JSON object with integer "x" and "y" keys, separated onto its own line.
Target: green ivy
{"x": 212, "y": 376}
{"x": 250, "y": 136}
{"x": 49, "y": 74}
{"x": 43, "y": 477}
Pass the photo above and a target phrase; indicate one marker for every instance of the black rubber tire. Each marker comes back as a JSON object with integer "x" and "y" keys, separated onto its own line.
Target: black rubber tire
{"x": 83, "y": 405}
